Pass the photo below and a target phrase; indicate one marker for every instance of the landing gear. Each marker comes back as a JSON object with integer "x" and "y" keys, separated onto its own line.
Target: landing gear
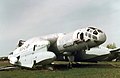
{"x": 49, "y": 68}
{"x": 71, "y": 60}
{"x": 69, "y": 65}
{"x": 86, "y": 45}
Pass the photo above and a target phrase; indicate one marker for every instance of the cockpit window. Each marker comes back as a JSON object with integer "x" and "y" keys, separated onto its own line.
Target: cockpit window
{"x": 95, "y": 32}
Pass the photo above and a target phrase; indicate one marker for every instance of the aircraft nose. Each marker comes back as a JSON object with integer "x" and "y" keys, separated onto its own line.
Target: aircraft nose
{"x": 102, "y": 37}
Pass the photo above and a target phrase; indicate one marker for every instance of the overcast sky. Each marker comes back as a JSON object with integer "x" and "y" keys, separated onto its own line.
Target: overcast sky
{"x": 24, "y": 19}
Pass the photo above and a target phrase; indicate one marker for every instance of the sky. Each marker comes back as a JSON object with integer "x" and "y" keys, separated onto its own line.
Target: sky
{"x": 24, "y": 19}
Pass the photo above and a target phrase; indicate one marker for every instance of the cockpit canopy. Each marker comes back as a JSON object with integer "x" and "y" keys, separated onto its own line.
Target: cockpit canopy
{"x": 95, "y": 30}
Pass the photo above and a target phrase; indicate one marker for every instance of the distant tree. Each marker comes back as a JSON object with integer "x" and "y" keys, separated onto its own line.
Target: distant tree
{"x": 111, "y": 46}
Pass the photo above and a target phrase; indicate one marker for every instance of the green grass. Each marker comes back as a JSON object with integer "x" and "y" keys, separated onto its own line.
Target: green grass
{"x": 4, "y": 63}
{"x": 88, "y": 71}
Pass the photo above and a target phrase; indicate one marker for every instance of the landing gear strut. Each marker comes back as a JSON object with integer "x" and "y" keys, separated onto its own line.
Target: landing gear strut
{"x": 71, "y": 60}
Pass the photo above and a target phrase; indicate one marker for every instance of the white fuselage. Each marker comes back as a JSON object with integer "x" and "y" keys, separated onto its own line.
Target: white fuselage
{"x": 45, "y": 49}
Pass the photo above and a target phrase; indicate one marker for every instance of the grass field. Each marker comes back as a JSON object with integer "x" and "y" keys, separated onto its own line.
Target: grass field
{"x": 84, "y": 70}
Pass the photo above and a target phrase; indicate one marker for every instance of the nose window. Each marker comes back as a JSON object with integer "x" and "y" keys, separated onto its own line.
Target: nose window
{"x": 100, "y": 31}
{"x": 94, "y": 37}
{"x": 89, "y": 35}
{"x": 95, "y": 32}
